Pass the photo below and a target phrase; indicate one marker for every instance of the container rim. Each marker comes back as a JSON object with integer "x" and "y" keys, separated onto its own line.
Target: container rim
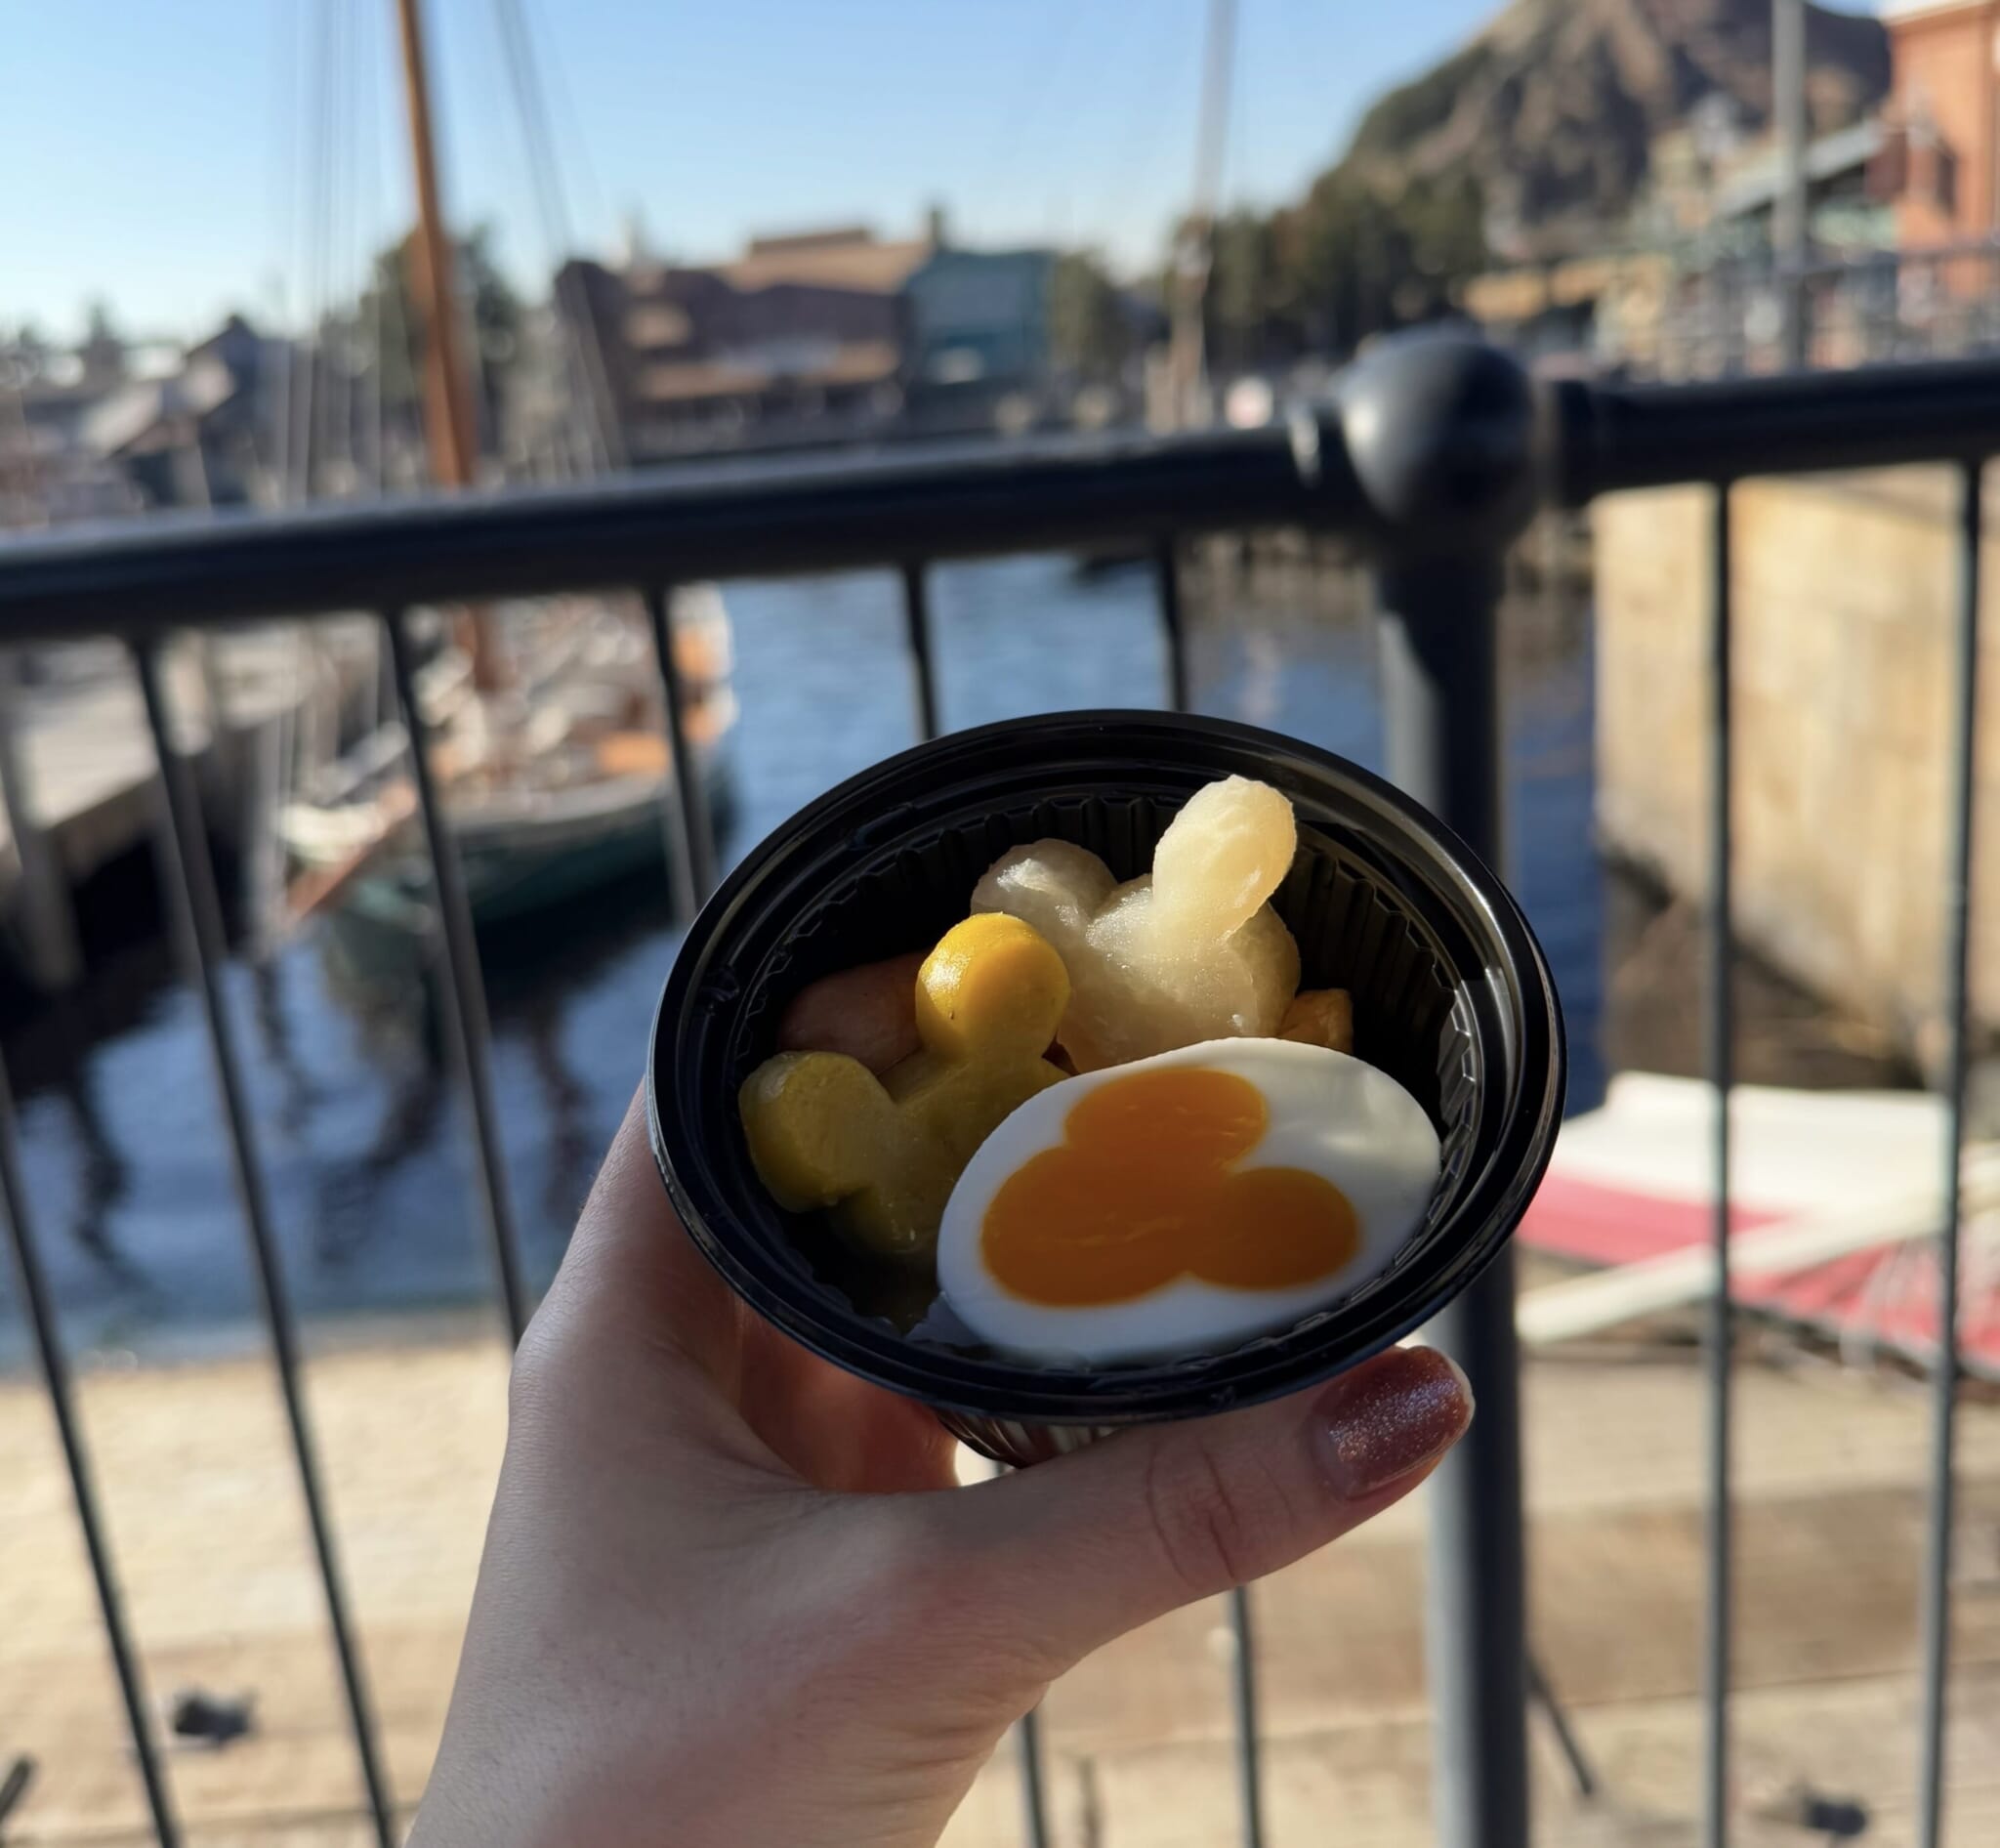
{"x": 1489, "y": 1206}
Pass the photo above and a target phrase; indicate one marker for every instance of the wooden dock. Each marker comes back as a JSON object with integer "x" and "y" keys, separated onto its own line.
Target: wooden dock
{"x": 1830, "y": 1467}
{"x": 78, "y": 768}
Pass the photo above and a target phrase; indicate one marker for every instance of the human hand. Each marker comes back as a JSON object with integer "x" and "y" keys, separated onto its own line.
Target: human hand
{"x": 731, "y": 1598}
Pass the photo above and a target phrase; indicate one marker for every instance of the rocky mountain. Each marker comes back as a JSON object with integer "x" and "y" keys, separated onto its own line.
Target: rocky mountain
{"x": 1556, "y": 106}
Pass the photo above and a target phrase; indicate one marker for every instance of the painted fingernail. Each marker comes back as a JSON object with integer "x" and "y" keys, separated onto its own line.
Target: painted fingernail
{"x": 1393, "y": 1415}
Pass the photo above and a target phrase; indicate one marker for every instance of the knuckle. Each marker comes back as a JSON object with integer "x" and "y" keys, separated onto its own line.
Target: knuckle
{"x": 913, "y": 1561}
{"x": 937, "y": 1617}
{"x": 910, "y": 1580}
{"x": 1211, "y": 1525}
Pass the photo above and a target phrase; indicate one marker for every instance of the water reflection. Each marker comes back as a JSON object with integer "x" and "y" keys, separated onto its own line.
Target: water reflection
{"x": 104, "y": 1179}
{"x": 351, "y": 1191}
{"x": 360, "y": 1122}
{"x": 298, "y": 1093}
{"x": 565, "y": 1104}
{"x": 50, "y": 1065}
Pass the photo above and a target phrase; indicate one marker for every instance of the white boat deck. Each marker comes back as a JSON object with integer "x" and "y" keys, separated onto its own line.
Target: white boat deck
{"x": 1838, "y": 1198}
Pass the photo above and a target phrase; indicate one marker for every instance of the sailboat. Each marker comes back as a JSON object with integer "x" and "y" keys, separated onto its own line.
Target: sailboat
{"x": 547, "y": 736}
{"x": 553, "y": 789}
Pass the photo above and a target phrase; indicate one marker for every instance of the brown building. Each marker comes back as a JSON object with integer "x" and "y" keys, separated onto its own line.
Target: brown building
{"x": 799, "y": 339}
{"x": 1939, "y": 164}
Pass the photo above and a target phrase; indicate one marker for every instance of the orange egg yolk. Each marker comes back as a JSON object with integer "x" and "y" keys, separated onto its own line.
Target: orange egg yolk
{"x": 1144, "y": 1190}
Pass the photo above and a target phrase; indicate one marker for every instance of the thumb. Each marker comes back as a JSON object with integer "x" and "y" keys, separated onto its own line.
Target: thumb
{"x": 1083, "y": 1548}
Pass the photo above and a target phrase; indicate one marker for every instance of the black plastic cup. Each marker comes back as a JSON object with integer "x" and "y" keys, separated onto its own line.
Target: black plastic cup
{"x": 1452, "y": 997}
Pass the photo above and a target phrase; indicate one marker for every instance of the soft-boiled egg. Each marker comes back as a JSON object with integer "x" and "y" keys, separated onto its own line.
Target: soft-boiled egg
{"x": 1182, "y": 1204}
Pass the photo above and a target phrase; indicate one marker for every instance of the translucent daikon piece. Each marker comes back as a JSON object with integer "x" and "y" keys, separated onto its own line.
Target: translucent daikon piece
{"x": 1190, "y": 952}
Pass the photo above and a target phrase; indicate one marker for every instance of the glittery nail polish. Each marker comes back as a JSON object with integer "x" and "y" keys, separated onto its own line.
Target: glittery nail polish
{"x": 1389, "y": 1416}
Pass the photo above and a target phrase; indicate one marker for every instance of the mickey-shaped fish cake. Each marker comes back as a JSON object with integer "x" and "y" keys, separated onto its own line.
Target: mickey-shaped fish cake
{"x": 1190, "y": 954}
{"x": 883, "y": 1152}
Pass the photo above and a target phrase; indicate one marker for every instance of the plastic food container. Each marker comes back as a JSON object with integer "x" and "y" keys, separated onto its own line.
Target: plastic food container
{"x": 1452, "y": 997}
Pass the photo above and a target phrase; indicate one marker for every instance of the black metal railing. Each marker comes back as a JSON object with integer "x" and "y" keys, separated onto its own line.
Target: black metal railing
{"x": 1434, "y": 458}
{"x": 1936, "y": 302}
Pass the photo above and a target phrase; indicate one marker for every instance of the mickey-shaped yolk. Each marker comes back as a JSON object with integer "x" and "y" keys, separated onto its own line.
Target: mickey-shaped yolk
{"x": 1144, "y": 1190}
{"x": 884, "y": 1153}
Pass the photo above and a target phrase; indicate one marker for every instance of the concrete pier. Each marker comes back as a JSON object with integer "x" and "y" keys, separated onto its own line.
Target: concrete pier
{"x": 1845, "y": 598}
{"x": 193, "y": 1463}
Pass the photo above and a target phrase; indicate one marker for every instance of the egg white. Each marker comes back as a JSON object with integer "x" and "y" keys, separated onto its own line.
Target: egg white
{"x": 1330, "y": 1113}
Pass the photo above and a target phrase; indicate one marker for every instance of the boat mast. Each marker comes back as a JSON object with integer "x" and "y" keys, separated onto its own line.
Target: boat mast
{"x": 1195, "y": 256}
{"x": 448, "y": 434}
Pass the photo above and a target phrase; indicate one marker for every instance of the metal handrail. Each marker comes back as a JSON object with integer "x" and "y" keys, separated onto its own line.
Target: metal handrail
{"x": 946, "y": 501}
{"x": 672, "y": 525}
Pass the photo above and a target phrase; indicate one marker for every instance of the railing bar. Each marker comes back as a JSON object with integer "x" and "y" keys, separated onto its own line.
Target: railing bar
{"x": 1167, "y": 590}
{"x": 916, "y": 615}
{"x": 689, "y": 797}
{"x": 189, "y": 876}
{"x": 463, "y": 995}
{"x": 1718, "y": 1056}
{"x": 780, "y": 516}
{"x": 1936, "y": 1609}
{"x": 1034, "y": 1791}
{"x": 1249, "y": 1742}
{"x": 55, "y": 1367}
{"x": 809, "y": 514}
{"x": 675, "y": 822}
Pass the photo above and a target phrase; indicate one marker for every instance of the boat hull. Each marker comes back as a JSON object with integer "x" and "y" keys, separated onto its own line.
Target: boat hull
{"x": 518, "y": 873}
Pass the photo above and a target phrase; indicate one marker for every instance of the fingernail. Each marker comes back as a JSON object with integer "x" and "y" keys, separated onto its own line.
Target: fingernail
{"x": 1393, "y": 1415}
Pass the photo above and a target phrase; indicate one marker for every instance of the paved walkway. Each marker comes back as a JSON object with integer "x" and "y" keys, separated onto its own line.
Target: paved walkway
{"x": 1830, "y": 1530}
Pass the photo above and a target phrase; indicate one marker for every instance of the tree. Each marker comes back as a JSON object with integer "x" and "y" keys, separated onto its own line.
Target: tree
{"x": 495, "y": 308}
{"x": 103, "y": 352}
{"x": 1251, "y": 304}
{"x": 1089, "y": 334}
{"x": 387, "y": 328}
{"x": 23, "y": 355}
{"x": 1443, "y": 220}
{"x": 1358, "y": 261}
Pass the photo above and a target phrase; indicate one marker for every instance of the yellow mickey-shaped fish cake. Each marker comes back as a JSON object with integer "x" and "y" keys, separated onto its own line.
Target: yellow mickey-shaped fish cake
{"x": 1190, "y": 953}
{"x": 883, "y": 1153}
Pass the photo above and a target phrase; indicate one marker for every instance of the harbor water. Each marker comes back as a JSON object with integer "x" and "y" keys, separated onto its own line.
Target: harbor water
{"x": 362, "y": 1135}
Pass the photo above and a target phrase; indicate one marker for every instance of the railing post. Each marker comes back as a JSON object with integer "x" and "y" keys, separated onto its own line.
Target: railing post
{"x": 1790, "y": 231}
{"x": 1441, "y": 434}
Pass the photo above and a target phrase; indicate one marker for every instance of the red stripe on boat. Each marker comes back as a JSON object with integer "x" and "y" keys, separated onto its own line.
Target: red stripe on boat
{"x": 1615, "y": 1225}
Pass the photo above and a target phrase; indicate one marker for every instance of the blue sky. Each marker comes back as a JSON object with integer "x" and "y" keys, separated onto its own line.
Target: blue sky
{"x": 161, "y": 152}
